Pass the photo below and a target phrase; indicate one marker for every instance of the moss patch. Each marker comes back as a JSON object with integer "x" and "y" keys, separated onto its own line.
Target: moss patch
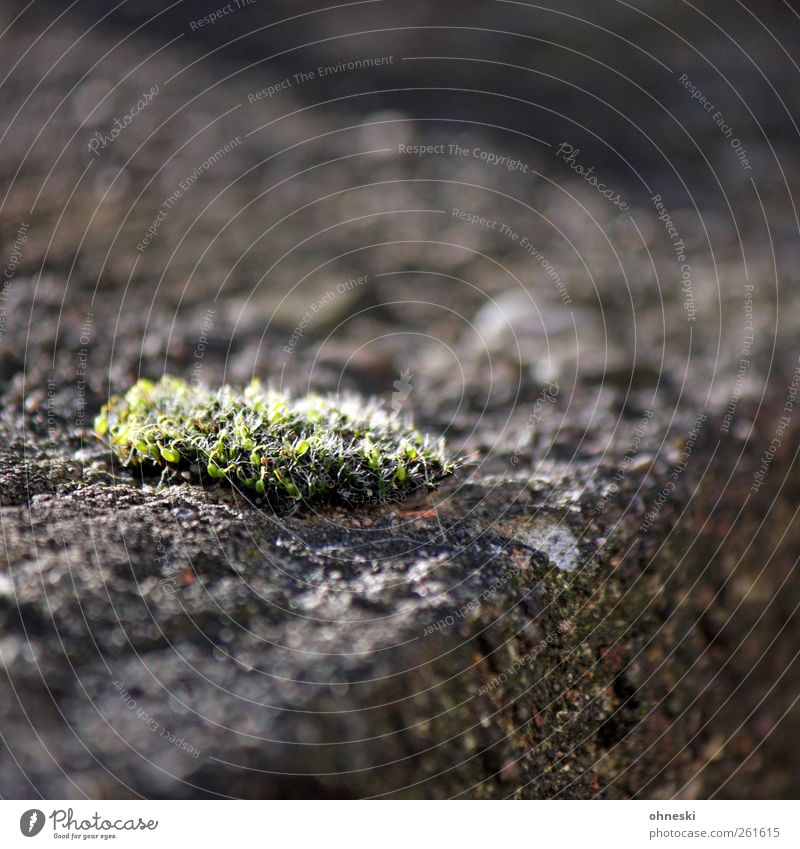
{"x": 262, "y": 440}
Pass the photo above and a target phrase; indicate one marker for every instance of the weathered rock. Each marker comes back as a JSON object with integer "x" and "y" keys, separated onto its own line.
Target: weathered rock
{"x": 601, "y": 604}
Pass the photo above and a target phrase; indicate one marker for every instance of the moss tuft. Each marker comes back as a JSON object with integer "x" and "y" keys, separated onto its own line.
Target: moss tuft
{"x": 312, "y": 448}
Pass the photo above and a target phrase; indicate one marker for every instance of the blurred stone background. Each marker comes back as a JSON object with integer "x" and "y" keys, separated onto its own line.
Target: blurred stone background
{"x": 257, "y": 216}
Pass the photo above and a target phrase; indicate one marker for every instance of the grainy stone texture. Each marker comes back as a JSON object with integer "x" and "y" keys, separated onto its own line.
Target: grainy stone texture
{"x": 547, "y": 624}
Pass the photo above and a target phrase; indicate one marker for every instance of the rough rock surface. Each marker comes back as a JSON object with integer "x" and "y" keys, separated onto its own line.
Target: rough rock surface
{"x": 601, "y": 604}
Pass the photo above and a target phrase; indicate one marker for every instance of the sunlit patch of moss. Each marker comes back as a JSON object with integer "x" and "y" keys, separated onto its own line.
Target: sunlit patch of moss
{"x": 311, "y": 448}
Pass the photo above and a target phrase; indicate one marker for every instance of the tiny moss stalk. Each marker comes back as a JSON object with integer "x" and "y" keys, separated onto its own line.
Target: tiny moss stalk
{"x": 312, "y": 448}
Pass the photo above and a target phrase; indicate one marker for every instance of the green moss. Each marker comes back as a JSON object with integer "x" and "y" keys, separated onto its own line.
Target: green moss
{"x": 262, "y": 440}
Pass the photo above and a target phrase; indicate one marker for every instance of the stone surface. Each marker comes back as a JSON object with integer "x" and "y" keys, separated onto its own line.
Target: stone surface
{"x": 601, "y": 604}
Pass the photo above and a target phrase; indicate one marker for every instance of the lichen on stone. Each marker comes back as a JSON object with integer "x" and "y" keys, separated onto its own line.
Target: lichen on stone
{"x": 311, "y": 448}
